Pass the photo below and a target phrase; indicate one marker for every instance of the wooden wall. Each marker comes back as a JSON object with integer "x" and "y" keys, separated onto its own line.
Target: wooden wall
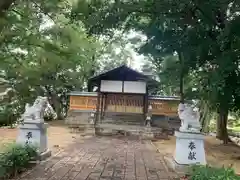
{"x": 164, "y": 107}
{"x": 125, "y": 104}
{"x": 83, "y": 102}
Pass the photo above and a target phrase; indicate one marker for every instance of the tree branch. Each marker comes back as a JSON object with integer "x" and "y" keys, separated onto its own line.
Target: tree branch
{"x": 18, "y": 13}
{"x": 42, "y": 11}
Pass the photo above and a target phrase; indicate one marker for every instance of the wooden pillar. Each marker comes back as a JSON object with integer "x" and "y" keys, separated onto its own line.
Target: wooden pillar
{"x": 105, "y": 104}
{"x": 147, "y": 100}
{"x": 102, "y": 100}
{"x": 145, "y": 105}
{"x": 98, "y": 107}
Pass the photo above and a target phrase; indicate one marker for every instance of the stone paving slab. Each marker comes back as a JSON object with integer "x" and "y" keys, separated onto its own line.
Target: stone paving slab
{"x": 104, "y": 158}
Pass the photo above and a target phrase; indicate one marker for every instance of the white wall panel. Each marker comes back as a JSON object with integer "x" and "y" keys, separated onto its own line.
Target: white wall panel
{"x": 111, "y": 86}
{"x": 134, "y": 87}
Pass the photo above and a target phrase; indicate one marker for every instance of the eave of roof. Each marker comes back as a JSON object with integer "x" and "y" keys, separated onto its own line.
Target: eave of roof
{"x": 116, "y": 69}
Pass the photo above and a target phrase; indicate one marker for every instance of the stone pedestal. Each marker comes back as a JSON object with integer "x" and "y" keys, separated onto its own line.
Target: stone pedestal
{"x": 189, "y": 150}
{"x": 35, "y": 133}
{"x": 90, "y": 128}
{"x": 148, "y": 134}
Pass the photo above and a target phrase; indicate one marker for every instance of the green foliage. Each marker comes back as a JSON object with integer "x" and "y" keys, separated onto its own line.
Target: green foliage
{"x": 113, "y": 52}
{"x": 168, "y": 72}
{"x": 9, "y": 110}
{"x": 211, "y": 173}
{"x": 16, "y": 158}
{"x": 7, "y": 116}
{"x": 43, "y": 53}
{"x": 101, "y": 15}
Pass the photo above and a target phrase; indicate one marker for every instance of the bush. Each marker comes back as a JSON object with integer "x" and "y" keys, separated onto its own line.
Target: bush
{"x": 9, "y": 113}
{"x": 212, "y": 173}
{"x": 15, "y": 159}
{"x": 7, "y": 118}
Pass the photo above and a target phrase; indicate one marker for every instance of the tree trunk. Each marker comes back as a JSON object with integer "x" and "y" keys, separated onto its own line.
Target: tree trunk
{"x": 55, "y": 102}
{"x": 222, "y": 132}
{"x": 57, "y": 106}
{"x": 181, "y": 78}
{"x": 205, "y": 118}
{"x": 181, "y": 88}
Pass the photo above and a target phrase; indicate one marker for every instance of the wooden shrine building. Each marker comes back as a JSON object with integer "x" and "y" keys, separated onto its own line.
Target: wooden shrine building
{"x": 120, "y": 96}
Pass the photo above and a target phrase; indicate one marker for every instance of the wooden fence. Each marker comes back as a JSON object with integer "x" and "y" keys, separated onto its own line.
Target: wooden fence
{"x": 124, "y": 104}
{"x": 83, "y": 102}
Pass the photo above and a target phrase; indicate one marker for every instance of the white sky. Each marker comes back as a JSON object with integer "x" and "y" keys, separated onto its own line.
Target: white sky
{"x": 137, "y": 59}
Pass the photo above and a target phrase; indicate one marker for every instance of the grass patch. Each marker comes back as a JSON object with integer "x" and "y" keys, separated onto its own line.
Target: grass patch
{"x": 207, "y": 172}
{"x": 15, "y": 158}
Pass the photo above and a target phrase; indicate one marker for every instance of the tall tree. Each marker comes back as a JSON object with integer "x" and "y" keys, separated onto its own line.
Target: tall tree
{"x": 44, "y": 60}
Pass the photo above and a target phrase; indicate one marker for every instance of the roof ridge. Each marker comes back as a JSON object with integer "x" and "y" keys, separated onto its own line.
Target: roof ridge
{"x": 124, "y": 65}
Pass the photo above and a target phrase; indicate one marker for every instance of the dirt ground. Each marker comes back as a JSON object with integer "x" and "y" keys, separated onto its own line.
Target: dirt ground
{"x": 58, "y": 136}
{"x": 217, "y": 154}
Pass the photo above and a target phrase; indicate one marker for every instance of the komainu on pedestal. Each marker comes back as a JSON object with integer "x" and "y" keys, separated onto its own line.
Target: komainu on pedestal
{"x": 189, "y": 140}
{"x": 33, "y": 130}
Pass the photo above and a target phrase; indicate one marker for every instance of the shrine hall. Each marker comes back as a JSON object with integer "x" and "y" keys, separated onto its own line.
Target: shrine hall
{"x": 120, "y": 98}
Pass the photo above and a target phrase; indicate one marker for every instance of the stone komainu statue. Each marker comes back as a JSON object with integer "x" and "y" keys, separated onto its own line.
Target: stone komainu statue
{"x": 39, "y": 108}
{"x": 189, "y": 118}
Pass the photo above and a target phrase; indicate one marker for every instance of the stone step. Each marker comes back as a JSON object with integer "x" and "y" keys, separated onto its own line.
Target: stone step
{"x": 126, "y": 118}
{"x": 126, "y": 122}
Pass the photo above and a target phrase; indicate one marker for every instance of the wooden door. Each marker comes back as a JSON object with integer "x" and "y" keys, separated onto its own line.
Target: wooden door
{"x": 124, "y": 103}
